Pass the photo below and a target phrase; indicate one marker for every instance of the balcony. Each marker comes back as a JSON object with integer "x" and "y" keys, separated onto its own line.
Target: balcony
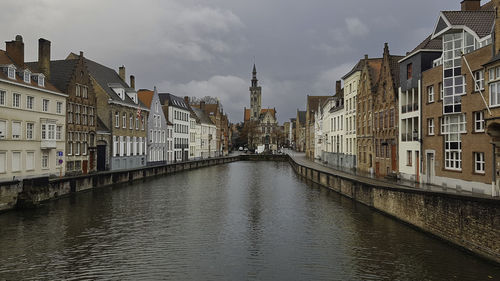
{"x": 48, "y": 144}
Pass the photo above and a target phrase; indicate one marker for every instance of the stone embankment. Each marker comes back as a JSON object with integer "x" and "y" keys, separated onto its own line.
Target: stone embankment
{"x": 31, "y": 192}
{"x": 472, "y": 223}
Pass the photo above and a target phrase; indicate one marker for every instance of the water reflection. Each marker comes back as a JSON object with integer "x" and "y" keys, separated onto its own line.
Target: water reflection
{"x": 242, "y": 221}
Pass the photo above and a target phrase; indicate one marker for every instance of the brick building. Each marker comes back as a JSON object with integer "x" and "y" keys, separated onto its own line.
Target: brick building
{"x": 71, "y": 76}
{"x": 385, "y": 116}
{"x": 368, "y": 85}
{"x": 458, "y": 153}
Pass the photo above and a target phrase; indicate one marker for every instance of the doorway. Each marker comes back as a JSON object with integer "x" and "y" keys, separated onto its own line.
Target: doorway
{"x": 101, "y": 157}
{"x": 430, "y": 167}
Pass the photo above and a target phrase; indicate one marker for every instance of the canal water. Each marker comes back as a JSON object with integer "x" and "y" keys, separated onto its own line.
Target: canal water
{"x": 240, "y": 221}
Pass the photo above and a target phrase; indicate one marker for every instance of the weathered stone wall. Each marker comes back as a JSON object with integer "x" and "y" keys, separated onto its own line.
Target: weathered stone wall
{"x": 9, "y": 192}
{"x": 472, "y": 223}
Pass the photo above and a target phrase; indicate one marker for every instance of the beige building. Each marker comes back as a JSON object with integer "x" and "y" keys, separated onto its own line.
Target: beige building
{"x": 351, "y": 83}
{"x": 32, "y": 119}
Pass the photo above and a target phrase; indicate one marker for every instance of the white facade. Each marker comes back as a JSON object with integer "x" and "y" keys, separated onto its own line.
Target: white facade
{"x": 351, "y": 83}
{"x": 32, "y": 128}
{"x": 194, "y": 128}
{"x": 318, "y": 133}
{"x": 409, "y": 132}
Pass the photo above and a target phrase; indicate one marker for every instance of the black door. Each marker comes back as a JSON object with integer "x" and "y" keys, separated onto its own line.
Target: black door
{"x": 101, "y": 157}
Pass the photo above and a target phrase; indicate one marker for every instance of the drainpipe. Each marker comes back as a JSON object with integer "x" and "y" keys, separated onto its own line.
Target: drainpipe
{"x": 494, "y": 172}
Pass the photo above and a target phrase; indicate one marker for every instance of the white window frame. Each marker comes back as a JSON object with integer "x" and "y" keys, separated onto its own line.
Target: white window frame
{"x": 45, "y": 160}
{"x": 30, "y": 165}
{"x": 19, "y": 163}
{"x": 59, "y": 107}
{"x": 479, "y": 163}
{"x": 16, "y": 135}
{"x": 30, "y": 102}
{"x": 30, "y": 130}
{"x": 117, "y": 120}
{"x": 45, "y": 105}
{"x": 479, "y": 80}
{"x": 3, "y": 97}
{"x": 430, "y": 126}
{"x": 16, "y": 100}
{"x": 430, "y": 93}
{"x": 478, "y": 121}
{"x": 11, "y": 72}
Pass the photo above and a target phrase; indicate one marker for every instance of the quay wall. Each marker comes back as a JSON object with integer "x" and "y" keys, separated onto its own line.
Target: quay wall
{"x": 472, "y": 223}
{"x": 32, "y": 191}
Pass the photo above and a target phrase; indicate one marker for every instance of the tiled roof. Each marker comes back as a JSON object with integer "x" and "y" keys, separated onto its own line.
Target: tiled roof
{"x": 262, "y": 111}
{"x": 5, "y": 60}
{"x": 204, "y": 119}
{"x": 61, "y": 72}
{"x": 314, "y": 101}
{"x": 480, "y": 21}
{"x": 394, "y": 67}
{"x": 357, "y": 67}
{"x": 429, "y": 44}
{"x": 172, "y": 100}
{"x": 374, "y": 66}
{"x": 146, "y": 97}
{"x": 105, "y": 76}
{"x": 489, "y": 6}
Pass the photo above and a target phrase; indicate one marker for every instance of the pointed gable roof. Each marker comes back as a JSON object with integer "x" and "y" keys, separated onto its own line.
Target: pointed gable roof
{"x": 480, "y": 22}
{"x": 146, "y": 97}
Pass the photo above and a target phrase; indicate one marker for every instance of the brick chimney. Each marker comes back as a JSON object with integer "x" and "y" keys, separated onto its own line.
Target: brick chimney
{"x": 202, "y": 105}
{"x": 15, "y": 50}
{"x": 132, "y": 82}
{"x": 44, "y": 57}
{"x": 121, "y": 72}
{"x": 338, "y": 87}
{"x": 471, "y": 5}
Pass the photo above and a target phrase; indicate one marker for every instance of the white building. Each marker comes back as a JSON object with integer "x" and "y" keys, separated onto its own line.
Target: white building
{"x": 194, "y": 133}
{"x": 351, "y": 83}
{"x": 179, "y": 116}
{"x": 157, "y": 127}
{"x": 206, "y": 141}
{"x": 32, "y": 119}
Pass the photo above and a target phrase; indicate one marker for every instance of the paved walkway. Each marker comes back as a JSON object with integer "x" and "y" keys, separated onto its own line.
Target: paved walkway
{"x": 301, "y": 159}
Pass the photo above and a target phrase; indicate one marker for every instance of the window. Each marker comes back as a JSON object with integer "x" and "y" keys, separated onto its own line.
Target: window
{"x": 409, "y": 70}
{"x": 70, "y": 143}
{"x": 452, "y": 127}
{"x": 408, "y": 157}
{"x": 117, "y": 119}
{"x": 30, "y": 102}
{"x": 45, "y": 105}
{"x": 136, "y": 123}
{"x": 495, "y": 94}
{"x": 16, "y": 130}
{"x": 77, "y": 90}
{"x": 3, "y": 129}
{"x": 478, "y": 121}
{"x": 16, "y": 161}
{"x": 124, "y": 121}
{"x": 70, "y": 113}
{"x": 441, "y": 90}
{"x": 59, "y": 107}
{"x": 58, "y": 132}
{"x": 11, "y": 72}
{"x": 16, "y": 100}
{"x": 41, "y": 81}
{"x": 30, "y": 130}
{"x": 85, "y": 92}
{"x": 2, "y": 97}
{"x": 48, "y": 131}
{"x": 430, "y": 94}
{"x": 3, "y": 160}
{"x": 131, "y": 122}
{"x": 45, "y": 160}
{"x": 479, "y": 80}
{"x": 479, "y": 162}
{"x": 430, "y": 126}
{"x": 77, "y": 114}
{"x": 30, "y": 161}
{"x": 27, "y": 77}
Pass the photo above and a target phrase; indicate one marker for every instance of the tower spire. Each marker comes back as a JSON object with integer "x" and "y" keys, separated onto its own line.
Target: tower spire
{"x": 254, "y": 76}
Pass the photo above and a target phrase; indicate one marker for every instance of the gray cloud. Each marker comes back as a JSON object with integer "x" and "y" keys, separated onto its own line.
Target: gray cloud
{"x": 198, "y": 47}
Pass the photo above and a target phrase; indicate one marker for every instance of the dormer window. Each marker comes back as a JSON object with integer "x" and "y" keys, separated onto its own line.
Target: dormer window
{"x": 41, "y": 80}
{"x": 27, "y": 77}
{"x": 11, "y": 72}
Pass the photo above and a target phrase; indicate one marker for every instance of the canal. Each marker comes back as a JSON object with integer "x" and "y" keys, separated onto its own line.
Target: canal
{"x": 239, "y": 221}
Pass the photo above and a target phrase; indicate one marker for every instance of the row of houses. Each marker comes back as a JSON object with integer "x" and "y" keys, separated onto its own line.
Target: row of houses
{"x": 77, "y": 116}
{"x": 430, "y": 115}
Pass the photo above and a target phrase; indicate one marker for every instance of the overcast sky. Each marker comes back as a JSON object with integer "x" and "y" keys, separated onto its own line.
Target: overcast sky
{"x": 207, "y": 47}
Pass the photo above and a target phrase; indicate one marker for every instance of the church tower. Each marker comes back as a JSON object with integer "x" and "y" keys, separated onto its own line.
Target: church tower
{"x": 255, "y": 97}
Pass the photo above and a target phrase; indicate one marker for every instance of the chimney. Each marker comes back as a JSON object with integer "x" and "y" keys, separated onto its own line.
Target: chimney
{"x": 186, "y": 100}
{"x": 15, "y": 50}
{"x": 132, "y": 82}
{"x": 121, "y": 72}
{"x": 366, "y": 57}
{"x": 44, "y": 57}
{"x": 386, "y": 48}
{"x": 202, "y": 105}
{"x": 338, "y": 86}
{"x": 471, "y": 5}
